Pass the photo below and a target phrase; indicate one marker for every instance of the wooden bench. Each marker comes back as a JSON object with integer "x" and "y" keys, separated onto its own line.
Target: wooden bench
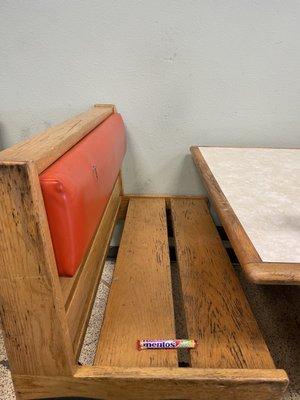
{"x": 45, "y": 316}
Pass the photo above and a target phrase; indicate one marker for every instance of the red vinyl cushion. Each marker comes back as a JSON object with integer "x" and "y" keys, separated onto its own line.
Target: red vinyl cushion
{"x": 76, "y": 189}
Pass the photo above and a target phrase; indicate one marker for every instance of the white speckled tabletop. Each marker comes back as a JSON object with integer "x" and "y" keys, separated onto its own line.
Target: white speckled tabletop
{"x": 263, "y": 188}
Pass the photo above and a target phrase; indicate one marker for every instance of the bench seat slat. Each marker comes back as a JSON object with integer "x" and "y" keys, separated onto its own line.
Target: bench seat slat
{"x": 140, "y": 304}
{"x": 217, "y": 311}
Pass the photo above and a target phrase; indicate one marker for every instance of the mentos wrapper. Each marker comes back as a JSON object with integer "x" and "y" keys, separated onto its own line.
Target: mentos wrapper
{"x": 151, "y": 344}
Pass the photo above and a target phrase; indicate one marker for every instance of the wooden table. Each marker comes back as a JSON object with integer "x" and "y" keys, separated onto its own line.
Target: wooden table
{"x": 256, "y": 193}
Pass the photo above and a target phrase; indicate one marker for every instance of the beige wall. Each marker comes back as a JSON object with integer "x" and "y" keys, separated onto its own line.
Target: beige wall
{"x": 181, "y": 73}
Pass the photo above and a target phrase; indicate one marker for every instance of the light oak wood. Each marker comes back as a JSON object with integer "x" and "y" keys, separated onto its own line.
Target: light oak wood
{"x": 125, "y": 200}
{"x": 80, "y": 302}
{"x": 106, "y": 106}
{"x": 255, "y": 269}
{"x": 32, "y": 309}
{"x": 48, "y": 146}
{"x": 158, "y": 384}
{"x": 121, "y": 179}
{"x": 140, "y": 303}
{"x": 273, "y": 273}
{"x": 69, "y": 283}
{"x": 243, "y": 247}
{"x": 216, "y": 309}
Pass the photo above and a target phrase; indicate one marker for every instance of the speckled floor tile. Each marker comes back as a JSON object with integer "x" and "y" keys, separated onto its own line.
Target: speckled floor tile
{"x": 275, "y": 307}
{"x": 6, "y": 386}
{"x": 92, "y": 334}
{"x": 277, "y": 311}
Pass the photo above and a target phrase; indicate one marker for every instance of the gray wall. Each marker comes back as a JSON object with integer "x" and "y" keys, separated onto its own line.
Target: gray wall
{"x": 181, "y": 73}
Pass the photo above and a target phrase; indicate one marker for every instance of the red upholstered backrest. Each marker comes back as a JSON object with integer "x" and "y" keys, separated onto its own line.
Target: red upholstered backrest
{"x": 76, "y": 189}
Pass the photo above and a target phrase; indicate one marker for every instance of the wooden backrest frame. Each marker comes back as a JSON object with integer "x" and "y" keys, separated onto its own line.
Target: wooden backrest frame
{"x": 35, "y": 321}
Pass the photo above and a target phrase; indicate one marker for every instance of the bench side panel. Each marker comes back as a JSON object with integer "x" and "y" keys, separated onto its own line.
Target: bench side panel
{"x": 32, "y": 307}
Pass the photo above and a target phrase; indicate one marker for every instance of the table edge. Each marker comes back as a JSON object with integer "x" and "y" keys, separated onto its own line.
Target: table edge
{"x": 255, "y": 270}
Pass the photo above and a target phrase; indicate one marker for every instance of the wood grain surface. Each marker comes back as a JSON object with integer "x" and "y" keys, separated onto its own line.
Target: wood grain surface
{"x": 32, "y": 308}
{"x": 125, "y": 200}
{"x": 217, "y": 312}
{"x": 243, "y": 247}
{"x": 140, "y": 304}
{"x": 269, "y": 273}
{"x": 158, "y": 384}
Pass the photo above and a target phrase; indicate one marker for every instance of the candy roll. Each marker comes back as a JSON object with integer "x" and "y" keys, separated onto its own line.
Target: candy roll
{"x": 169, "y": 344}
